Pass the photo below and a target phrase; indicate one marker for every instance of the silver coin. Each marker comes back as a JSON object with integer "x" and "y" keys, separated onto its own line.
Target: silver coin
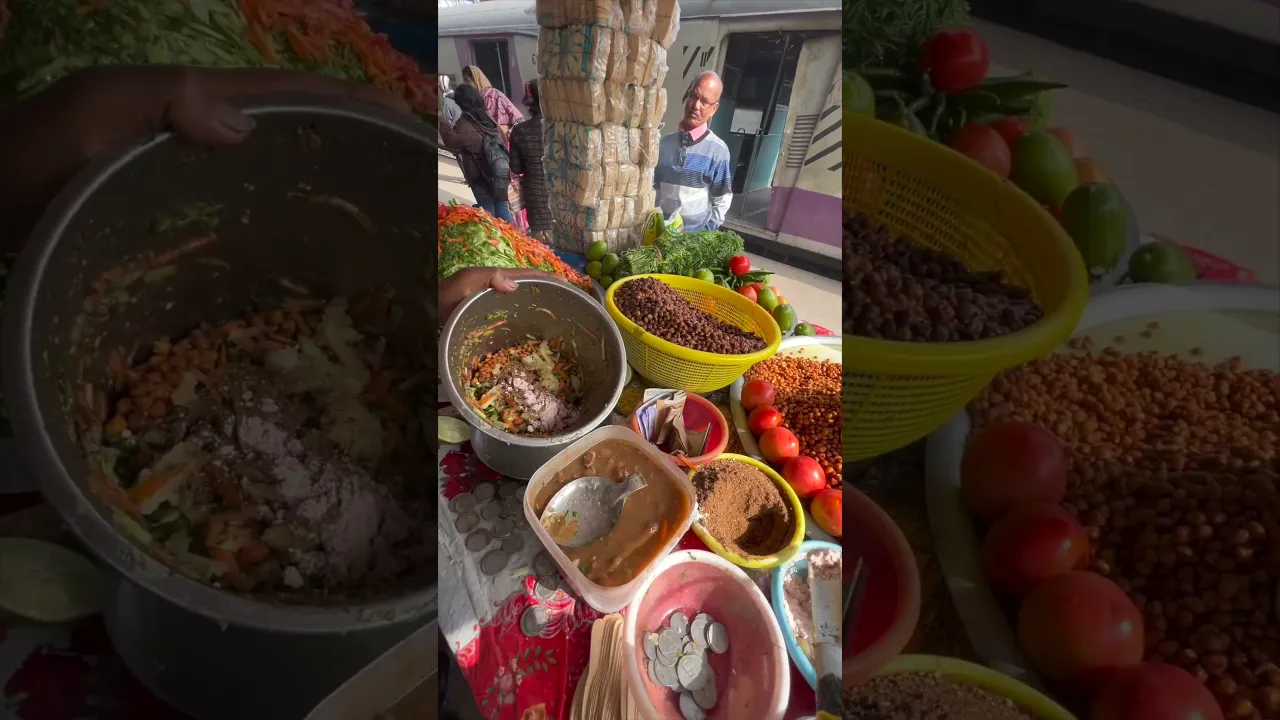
{"x": 503, "y": 528}
{"x": 513, "y": 507}
{"x": 484, "y": 492}
{"x": 662, "y": 657}
{"x": 546, "y": 587}
{"x": 691, "y": 648}
{"x": 670, "y": 642}
{"x": 650, "y": 642}
{"x": 698, "y": 630}
{"x": 508, "y": 489}
{"x": 493, "y": 562}
{"x": 478, "y": 540}
{"x": 490, "y": 511}
{"x": 543, "y": 564}
{"x": 718, "y": 638}
{"x": 648, "y": 667}
{"x": 512, "y": 544}
{"x": 463, "y": 503}
{"x": 689, "y": 708}
{"x": 666, "y": 675}
{"x": 707, "y": 695}
{"x": 466, "y": 522}
{"x": 533, "y": 620}
{"x": 689, "y": 672}
{"x": 679, "y": 623}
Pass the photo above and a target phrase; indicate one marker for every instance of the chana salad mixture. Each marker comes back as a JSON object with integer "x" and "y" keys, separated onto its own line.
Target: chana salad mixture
{"x": 807, "y": 393}
{"x": 280, "y": 452}
{"x": 534, "y": 388}
{"x": 1173, "y": 475}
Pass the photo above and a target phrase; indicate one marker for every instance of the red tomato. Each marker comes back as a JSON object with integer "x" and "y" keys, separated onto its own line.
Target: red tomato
{"x": 805, "y": 476}
{"x": 956, "y": 59}
{"x": 827, "y": 509}
{"x": 1011, "y": 464}
{"x": 1030, "y": 544}
{"x": 982, "y": 144}
{"x": 764, "y": 417}
{"x": 1078, "y": 629}
{"x": 1010, "y": 128}
{"x": 1155, "y": 691}
{"x": 749, "y": 292}
{"x": 779, "y": 445}
{"x": 739, "y": 265}
{"x": 756, "y": 393}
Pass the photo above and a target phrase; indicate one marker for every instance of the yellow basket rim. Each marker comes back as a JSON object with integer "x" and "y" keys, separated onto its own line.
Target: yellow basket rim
{"x": 686, "y": 354}
{"x": 1026, "y": 697}
{"x": 761, "y": 562}
{"x": 892, "y": 357}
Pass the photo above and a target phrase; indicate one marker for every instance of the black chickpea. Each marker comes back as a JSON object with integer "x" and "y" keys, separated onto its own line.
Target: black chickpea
{"x": 654, "y": 306}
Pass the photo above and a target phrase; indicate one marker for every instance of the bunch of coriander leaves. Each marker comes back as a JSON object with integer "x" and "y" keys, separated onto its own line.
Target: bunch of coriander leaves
{"x": 889, "y": 33}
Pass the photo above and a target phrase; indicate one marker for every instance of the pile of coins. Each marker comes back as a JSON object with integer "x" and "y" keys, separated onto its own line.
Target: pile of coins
{"x": 677, "y": 660}
{"x": 487, "y": 514}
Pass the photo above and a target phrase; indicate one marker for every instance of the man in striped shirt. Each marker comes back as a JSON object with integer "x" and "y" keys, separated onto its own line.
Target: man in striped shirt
{"x": 693, "y": 173}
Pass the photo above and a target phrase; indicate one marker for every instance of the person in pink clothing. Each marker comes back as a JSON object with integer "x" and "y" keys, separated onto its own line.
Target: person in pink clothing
{"x": 501, "y": 109}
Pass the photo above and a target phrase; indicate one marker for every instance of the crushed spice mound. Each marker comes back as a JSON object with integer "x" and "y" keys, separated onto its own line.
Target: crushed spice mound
{"x": 742, "y": 508}
{"x": 921, "y": 696}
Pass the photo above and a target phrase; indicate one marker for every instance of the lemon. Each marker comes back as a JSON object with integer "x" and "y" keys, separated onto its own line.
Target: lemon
{"x": 594, "y": 270}
{"x": 451, "y": 430}
{"x": 609, "y": 263}
{"x": 597, "y": 250}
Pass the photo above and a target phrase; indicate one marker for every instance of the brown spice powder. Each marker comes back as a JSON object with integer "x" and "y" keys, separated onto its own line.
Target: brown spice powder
{"x": 926, "y": 696}
{"x": 742, "y": 508}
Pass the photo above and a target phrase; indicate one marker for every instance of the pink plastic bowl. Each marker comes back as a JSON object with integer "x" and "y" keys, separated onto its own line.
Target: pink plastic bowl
{"x": 753, "y": 677}
{"x": 699, "y": 412}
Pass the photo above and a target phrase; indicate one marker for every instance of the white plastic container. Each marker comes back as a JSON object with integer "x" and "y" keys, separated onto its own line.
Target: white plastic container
{"x": 606, "y": 599}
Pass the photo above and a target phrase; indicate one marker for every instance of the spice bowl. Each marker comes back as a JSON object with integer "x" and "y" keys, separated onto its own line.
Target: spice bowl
{"x": 890, "y": 606}
{"x": 1029, "y": 700}
{"x": 605, "y": 599}
{"x": 798, "y": 565}
{"x": 753, "y": 677}
{"x": 698, "y": 412}
{"x": 490, "y": 321}
{"x": 757, "y": 562}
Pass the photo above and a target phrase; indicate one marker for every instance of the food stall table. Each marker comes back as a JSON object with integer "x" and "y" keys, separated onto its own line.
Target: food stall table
{"x": 518, "y": 633}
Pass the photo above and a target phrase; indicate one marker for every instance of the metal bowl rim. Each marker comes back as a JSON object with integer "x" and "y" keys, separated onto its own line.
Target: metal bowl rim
{"x": 92, "y": 527}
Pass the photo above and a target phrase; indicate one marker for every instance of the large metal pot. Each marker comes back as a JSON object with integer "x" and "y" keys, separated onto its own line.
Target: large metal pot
{"x": 212, "y": 653}
{"x": 542, "y": 309}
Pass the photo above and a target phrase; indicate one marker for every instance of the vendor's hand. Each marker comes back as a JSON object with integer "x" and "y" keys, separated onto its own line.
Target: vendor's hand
{"x": 465, "y": 283}
{"x": 46, "y": 138}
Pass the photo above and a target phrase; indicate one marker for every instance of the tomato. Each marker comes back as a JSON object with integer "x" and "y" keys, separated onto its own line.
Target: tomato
{"x": 739, "y": 265}
{"x": 1155, "y": 691}
{"x": 1030, "y": 544}
{"x": 749, "y": 292}
{"x": 956, "y": 59}
{"x": 982, "y": 144}
{"x": 779, "y": 445}
{"x": 1011, "y": 464}
{"x": 827, "y": 509}
{"x": 1078, "y": 629}
{"x": 805, "y": 476}
{"x": 764, "y": 417}
{"x": 1010, "y": 128}
{"x": 756, "y": 393}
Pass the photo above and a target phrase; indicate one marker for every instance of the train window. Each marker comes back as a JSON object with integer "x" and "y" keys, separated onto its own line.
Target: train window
{"x": 492, "y": 58}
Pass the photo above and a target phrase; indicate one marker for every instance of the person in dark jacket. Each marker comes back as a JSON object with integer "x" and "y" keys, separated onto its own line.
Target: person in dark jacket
{"x": 526, "y": 164}
{"x": 466, "y": 140}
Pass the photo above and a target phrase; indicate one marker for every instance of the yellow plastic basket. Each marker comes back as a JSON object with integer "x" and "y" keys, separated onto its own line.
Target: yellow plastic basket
{"x": 897, "y": 392}
{"x": 679, "y": 368}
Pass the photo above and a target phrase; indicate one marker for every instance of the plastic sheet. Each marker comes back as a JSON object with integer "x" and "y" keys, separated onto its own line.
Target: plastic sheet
{"x": 562, "y": 13}
{"x": 580, "y": 51}
{"x": 666, "y": 24}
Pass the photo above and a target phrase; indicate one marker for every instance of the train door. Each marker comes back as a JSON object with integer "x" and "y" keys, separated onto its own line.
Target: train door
{"x": 493, "y": 57}
{"x": 759, "y": 76}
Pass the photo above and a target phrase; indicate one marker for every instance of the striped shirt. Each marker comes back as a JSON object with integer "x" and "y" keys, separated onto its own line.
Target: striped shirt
{"x": 693, "y": 176}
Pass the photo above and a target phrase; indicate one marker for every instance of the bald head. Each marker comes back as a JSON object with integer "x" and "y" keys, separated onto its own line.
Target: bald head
{"x": 703, "y": 100}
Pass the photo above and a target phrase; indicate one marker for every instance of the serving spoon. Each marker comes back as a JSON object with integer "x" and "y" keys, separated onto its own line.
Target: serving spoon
{"x": 586, "y": 509}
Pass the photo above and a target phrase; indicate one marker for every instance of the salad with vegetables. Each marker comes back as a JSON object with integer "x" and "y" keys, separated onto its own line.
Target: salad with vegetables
{"x": 534, "y": 388}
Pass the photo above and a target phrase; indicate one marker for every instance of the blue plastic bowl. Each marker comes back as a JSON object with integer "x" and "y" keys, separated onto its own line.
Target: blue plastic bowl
{"x": 797, "y": 564}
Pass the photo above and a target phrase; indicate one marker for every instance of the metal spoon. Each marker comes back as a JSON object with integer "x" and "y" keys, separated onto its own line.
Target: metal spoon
{"x": 586, "y": 509}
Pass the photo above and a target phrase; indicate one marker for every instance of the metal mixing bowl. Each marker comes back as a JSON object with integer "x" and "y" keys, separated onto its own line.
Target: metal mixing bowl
{"x": 541, "y": 309}
{"x": 217, "y": 654}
